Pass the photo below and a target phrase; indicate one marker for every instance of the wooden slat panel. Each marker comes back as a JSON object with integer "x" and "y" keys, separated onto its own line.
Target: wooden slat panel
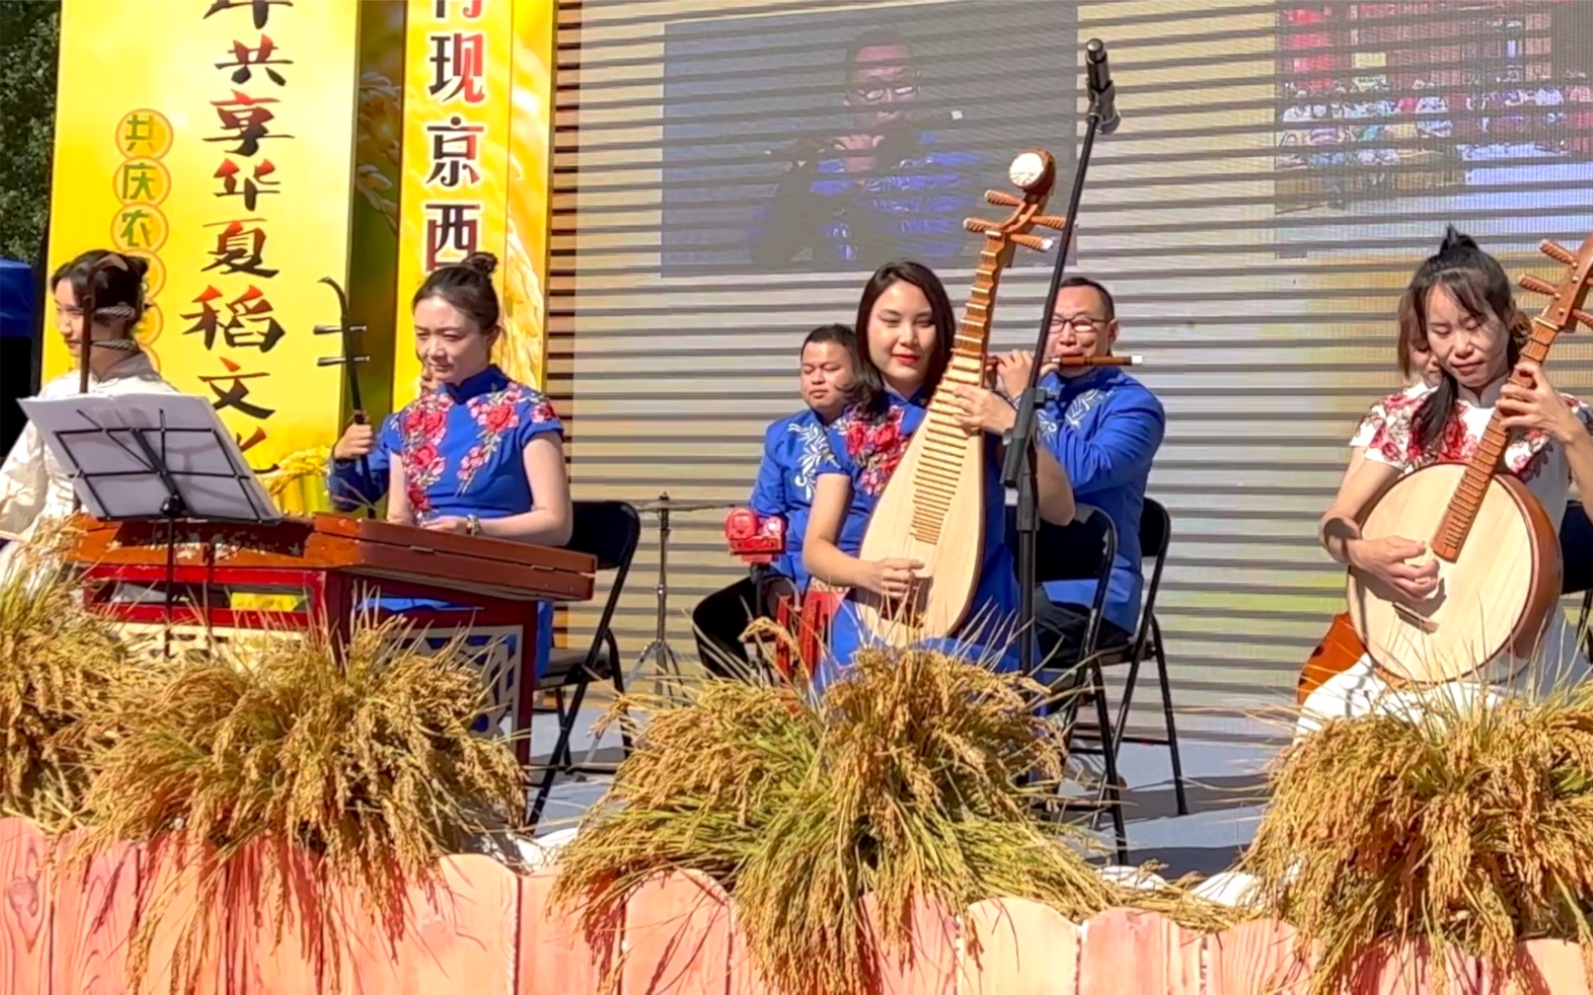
{"x": 25, "y": 913}
{"x": 677, "y": 938}
{"x": 92, "y": 920}
{"x": 1126, "y": 950}
{"x": 1025, "y": 948}
{"x": 554, "y": 954}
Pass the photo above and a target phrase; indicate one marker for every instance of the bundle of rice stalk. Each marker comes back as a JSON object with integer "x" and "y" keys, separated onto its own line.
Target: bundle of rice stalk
{"x": 59, "y": 665}
{"x": 904, "y": 781}
{"x": 1469, "y": 825}
{"x": 364, "y": 757}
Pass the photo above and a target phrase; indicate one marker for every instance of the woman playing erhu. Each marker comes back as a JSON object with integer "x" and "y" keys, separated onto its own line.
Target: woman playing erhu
{"x": 1460, "y": 304}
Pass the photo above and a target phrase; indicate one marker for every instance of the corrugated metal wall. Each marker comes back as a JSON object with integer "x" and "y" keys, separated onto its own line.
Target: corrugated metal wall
{"x": 1266, "y": 332}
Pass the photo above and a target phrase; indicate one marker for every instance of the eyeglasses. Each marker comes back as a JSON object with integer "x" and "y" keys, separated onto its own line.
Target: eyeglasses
{"x": 1079, "y": 323}
{"x": 876, "y": 95}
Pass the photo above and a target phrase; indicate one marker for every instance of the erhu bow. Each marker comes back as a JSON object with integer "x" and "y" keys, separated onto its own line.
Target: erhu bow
{"x": 348, "y": 360}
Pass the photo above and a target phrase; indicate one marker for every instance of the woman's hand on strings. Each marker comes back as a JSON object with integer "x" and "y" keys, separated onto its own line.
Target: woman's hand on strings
{"x": 894, "y": 577}
{"x": 981, "y": 410}
{"x": 1388, "y": 560}
{"x": 358, "y": 440}
{"x": 1537, "y": 406}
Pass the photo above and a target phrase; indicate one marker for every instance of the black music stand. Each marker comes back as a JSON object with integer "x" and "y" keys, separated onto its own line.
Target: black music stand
{"x": 152, "y": 457}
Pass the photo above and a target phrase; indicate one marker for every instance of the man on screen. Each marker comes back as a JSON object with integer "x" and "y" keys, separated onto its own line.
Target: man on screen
{"x": 881, "y": 191}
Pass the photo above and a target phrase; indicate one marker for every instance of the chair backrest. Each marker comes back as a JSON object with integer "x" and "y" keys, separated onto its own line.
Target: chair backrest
{"x": 1576, "y": 550}
{"x": 1155, "y": 535}
{"x": 610, "y": 531}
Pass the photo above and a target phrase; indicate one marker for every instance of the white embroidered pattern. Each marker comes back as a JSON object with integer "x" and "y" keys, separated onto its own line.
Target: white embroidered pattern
{"x": 815, "y": 455}
{"x": 1081, "y": 406}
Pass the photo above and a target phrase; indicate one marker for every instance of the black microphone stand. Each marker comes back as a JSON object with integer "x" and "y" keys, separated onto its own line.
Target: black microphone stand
{"x": 1019, "y": 468}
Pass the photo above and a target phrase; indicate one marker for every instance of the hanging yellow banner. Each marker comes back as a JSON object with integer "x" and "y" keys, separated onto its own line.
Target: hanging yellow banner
{"x": 477, "y": 114}
{"x": 227, "y": 161}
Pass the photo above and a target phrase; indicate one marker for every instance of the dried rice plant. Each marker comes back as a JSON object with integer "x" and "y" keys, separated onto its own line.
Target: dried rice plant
{"x": 904, "y": 781}
{"x": 60, "y": 665}
{"x": 366, "y": 758}
{"x": 1470, "y": 826}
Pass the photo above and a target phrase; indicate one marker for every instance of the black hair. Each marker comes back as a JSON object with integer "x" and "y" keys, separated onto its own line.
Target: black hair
{"x": 870, "y": 382}
{"x": 874, "y": 38}
{"x": 467, "y": 286}
{"x": 1106, "y": 295}
{"x": 841, "y": 335}
{"x": 118, "y": 293}
{"x": 1482, "y": 289}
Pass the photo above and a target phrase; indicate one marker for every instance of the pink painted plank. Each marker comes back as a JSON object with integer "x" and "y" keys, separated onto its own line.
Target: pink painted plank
{"x": 1256, "y": 956}
{"x": 1408, "y": 968}
{"x": 554, "y": 953}
{"x": 1131, "y": 951}
{"x": 745, "y": 978}
{"x": 187, "y": 944}
{"x": 929, "y": 967}
{"x": 95, "y": 909}
{"x": 276, "y": 923}
{"x": 459, "y": 935}
{"x": 25, "y": 913}
{"x": 1543, "y": 967}
{"x": 1024, "y": 948}
{"x": 677, "y": 938}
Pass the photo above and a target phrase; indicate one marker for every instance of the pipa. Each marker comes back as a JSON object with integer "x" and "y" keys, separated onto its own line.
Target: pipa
{"x": 1497, "y": 550}
{"x": 932, "y": 510}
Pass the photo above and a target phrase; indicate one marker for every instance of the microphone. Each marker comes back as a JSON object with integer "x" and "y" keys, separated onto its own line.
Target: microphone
{"x": 1103, "y": 93}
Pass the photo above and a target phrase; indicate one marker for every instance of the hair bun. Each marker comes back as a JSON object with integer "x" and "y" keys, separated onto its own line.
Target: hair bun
{"x": 482, "y": 262}
{"x": 138, "y": 266}
{"x": 1455, "y": 241}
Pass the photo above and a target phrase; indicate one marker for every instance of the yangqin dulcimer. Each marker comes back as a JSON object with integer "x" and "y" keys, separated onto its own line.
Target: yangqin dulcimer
{"x": 932, "y": 510}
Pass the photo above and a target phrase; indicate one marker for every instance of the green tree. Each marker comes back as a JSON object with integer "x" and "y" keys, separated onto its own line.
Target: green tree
{"x": 30, "y": 36}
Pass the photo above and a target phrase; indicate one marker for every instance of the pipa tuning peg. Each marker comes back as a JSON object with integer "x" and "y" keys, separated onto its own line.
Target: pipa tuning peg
{"x": 980, "y": 225}
{"x": 1557, "y": 252}
{"x": 1002, "y": 198}
{"x": 1537, "y": 286}
{"x": 1050, "y": 221}
{"x": 1584, "y": 317}
{"x": 1033, "y": 242}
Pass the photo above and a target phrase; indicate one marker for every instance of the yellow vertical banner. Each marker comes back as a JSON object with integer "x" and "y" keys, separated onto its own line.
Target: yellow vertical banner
{"x": 227, "y": 161}
{"x": 530, "y": 191}
{"x": 458, "y": 102}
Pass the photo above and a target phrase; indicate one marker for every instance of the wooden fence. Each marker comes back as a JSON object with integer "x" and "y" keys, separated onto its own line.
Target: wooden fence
{"x": 65, "y": 928}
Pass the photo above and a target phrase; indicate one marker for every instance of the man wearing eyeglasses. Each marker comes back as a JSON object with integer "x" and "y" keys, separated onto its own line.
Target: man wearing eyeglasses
{"x": 1097, "y": 433}
{"x": 881, "y": 191}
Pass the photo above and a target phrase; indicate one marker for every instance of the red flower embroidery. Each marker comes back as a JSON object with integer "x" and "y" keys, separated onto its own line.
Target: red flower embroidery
{"x": 422, "y": 426}
{"x": 875, "y": 447}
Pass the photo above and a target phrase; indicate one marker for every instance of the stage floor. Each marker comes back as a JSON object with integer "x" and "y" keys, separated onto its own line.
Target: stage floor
{"x": 1223, "y": 784}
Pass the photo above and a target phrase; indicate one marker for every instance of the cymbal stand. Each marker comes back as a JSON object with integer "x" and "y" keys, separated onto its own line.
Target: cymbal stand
{"x": 659, "y": 650}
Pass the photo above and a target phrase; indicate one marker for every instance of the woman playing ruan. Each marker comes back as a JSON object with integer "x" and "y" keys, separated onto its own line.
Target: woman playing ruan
{"x": 476, "y": 453}
{"x": 905, "y": 328}
{"x": 1459, "y": 303}
{"x": 34, "y": 488}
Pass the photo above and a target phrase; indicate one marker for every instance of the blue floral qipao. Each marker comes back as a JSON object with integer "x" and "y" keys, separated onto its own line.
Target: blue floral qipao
{"x": 868, "y": 452}
{"x": 352, "y": 490}
{"x": 462, "y": 449}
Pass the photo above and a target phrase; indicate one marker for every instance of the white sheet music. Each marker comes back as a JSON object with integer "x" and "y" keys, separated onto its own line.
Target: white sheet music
{"x": 97, "y": 439}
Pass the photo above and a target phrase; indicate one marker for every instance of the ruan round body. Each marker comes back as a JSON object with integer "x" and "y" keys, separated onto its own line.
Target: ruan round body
{"x": 1488, "y": 615}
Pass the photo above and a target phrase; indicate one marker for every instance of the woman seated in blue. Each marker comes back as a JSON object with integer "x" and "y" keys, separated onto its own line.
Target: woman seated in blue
{"x": 477, "y": 453}
{"x": 906, "y": 326}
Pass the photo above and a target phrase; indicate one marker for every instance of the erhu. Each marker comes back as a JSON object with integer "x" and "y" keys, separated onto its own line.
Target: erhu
{"x": 348, "y": 360}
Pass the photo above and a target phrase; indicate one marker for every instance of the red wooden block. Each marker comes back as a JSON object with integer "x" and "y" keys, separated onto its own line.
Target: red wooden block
{"x": 554, "y": 953}
{"x": 1132, "y": 951}
{"x": 95, "y": 909}
{"x": 1262, "y": 955}
{"x": 677, "y": 938}
{"x": 1024, "y": 948}
{"x": 25, "y": 913}
{"x": 929, "y": 967}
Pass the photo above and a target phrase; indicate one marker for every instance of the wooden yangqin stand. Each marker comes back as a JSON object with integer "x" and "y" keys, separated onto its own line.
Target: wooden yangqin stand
{"x": 321, "y": 570}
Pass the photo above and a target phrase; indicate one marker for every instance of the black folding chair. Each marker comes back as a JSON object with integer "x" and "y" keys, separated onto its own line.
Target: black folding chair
{"x": 609, "y": 531}
{"x": 1059, "y": 556}
{"x": 1155, "y": 534}
{"x": 1576, "y": 558}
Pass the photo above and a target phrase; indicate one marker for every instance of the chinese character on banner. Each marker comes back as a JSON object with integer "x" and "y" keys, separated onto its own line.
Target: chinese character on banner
{"x": 205, "y": 320}
{"x": 236, "y": 394}
{"x": 454, "y": 152}
{"x": 138, "y": 227}
{"x": 142, "y": 180}
{"x": 451, "y": 228}
{"x": 261, "y": 8}
{"x": 239, "y": 248}
{"x": 252, "y": 308}
{"x": 243, "y": 57}
{"x": 458, "y": 65}
{"x": 471, "y": 9}
{"x": 244, "y": 445}
{"x": 227, "y": 173}
{"x": 246, "y": 117}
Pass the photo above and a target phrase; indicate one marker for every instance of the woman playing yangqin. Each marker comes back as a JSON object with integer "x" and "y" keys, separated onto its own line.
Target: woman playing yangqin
{"x": 477, "y": 453}
{"x": 1459, "y": 303}
{"x": 905, "y": 324}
